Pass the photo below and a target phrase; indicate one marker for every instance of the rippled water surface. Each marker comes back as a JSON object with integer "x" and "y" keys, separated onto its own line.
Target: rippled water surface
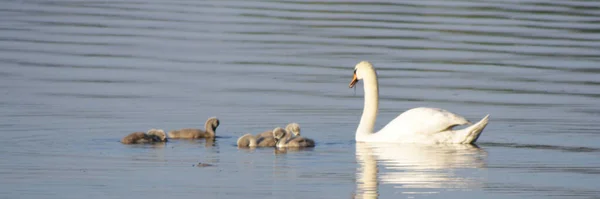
{"x": 77, "y": 76}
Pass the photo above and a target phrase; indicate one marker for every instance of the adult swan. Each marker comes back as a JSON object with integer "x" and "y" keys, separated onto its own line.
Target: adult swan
{"x": 417, "y": 125}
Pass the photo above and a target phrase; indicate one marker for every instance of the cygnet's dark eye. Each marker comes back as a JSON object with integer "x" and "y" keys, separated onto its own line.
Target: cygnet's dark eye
{"x": 354, "y": 71}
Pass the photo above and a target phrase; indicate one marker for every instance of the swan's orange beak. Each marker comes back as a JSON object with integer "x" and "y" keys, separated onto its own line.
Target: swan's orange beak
{"x": 353, "y": 82}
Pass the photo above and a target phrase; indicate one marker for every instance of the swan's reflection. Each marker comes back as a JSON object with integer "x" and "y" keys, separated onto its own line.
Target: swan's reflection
{"x": 416, "y": 169}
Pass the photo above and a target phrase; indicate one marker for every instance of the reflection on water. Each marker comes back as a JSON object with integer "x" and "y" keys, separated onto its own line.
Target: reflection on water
{"x": 76, "y": 76}
{"x": 366, "y": 174}
{"x": 417, "y": 169}
{"x": 292, "y": 150}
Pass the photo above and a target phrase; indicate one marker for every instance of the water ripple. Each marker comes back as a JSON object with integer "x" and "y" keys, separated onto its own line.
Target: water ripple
{"x": 76, "y": 75}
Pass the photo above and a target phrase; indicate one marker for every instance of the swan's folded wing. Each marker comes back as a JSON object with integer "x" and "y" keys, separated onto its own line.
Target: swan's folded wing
{"x": 423, "y": 121}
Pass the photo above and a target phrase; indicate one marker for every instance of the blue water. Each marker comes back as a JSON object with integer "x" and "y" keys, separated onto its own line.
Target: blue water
{"x": 77, "y": 76}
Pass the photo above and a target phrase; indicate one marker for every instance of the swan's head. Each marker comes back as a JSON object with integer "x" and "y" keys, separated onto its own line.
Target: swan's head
{"x": 278, "y": 133}
{"x": 212, "y": 123}
{"x": 159, "y": 134}
{"x": 360, "y": 71}
{"x": 293, "y": 128}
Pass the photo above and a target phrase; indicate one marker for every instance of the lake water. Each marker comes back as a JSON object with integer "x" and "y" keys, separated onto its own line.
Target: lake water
{"x": 77, "y": 76}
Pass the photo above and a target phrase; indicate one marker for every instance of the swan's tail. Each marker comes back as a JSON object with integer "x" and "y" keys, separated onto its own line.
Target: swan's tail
{"x": 247, "y": 140}
{"x": 474, "y": 131}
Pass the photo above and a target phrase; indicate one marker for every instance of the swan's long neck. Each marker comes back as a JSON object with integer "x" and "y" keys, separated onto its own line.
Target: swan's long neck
{"x": 369, "y": 115}
{"x": 252, "y": 141}
{"x": 209, "y": 129}
{"x": 282, "y": 142}
{"x": 288, "y": 135}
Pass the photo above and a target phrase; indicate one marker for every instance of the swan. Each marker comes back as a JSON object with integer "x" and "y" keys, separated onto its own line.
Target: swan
{"x": 247, "y": 140}
{"x": 266, "y": 139}
{"x": 417, "y": 125}
{"x": 291, "y": 127}
{"x": 284, "y": 140}
{"x": 210, "y": 127}
{"x": 153, "y": 136}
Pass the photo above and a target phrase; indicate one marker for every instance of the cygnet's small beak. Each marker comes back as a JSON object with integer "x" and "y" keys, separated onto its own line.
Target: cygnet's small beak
{"x": 353, "y": 82}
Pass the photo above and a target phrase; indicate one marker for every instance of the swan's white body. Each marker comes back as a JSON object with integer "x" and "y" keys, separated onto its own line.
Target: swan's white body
{"x": 417, "y": 125}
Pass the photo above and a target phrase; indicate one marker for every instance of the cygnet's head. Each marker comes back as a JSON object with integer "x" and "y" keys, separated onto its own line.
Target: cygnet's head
{"x": 159, "y": 133}
{"x": 293, "y": 128}
{"x": 212, "y": 123}
{"x": 278, "y": 133}
{"x": 360, "y": 71}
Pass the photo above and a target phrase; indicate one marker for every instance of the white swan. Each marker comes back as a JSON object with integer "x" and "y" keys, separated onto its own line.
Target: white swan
{"x": 417, "y": 125}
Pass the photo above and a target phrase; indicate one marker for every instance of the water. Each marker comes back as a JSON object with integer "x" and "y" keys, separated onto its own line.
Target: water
{"x": 76, "y": 76}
